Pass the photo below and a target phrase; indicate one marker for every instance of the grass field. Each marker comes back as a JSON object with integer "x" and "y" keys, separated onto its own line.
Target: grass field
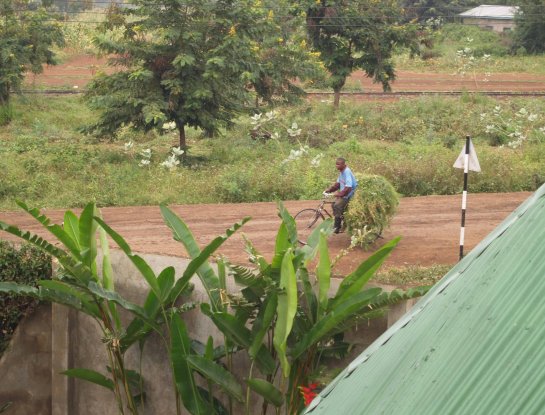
{"x": 46, "y": 162}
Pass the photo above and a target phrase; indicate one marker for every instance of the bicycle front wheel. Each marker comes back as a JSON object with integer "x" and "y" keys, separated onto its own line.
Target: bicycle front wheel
{"x": 306, "y": 221}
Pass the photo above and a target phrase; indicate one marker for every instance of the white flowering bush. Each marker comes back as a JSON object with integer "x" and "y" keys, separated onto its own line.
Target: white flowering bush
{"x": 268, "y": 126}
{"x": 468, "y": 63}
{"x": 512, "y": 129}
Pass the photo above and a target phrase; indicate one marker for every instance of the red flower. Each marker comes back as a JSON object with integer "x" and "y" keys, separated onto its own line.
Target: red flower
{"x": 309, "y": 392}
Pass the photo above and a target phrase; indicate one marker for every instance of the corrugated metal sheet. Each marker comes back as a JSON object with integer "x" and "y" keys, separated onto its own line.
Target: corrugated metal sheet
{"x": 491, "y": 12}
{"x": 475, "y": 344}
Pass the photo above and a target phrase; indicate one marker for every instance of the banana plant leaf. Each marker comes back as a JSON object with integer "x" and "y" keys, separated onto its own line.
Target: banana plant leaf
{"x": 267, "y": 391}
{"x": 217, "y": 374}
{"x": 90, "y": 376}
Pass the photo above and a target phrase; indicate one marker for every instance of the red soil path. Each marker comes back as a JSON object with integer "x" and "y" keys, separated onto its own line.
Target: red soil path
{"x": 79, "y": 70}
{"x": 429, "y": 227}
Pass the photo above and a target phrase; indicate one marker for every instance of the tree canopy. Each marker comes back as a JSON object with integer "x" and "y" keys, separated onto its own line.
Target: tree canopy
{"x": 361, "y": 34}
{"x": 27, "y": 33}
{"x": 530, "y": 26}
{"x": 191, "y": 63}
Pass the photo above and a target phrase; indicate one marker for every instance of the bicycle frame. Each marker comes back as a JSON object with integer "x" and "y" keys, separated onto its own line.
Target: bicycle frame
{"x": 321, "y": 207}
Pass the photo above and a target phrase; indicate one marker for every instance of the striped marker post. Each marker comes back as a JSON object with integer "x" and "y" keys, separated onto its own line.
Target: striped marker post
{"x": 464, "y": 197}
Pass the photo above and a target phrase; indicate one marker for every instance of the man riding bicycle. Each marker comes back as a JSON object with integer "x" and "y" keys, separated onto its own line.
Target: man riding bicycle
{"x": 344, "y": 189}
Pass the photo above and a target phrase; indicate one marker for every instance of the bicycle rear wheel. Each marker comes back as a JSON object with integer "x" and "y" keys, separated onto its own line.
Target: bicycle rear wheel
{"x": 306, "y": 221}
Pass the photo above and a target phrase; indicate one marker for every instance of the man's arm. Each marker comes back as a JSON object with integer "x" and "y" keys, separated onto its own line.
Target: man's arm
{"x": 344, "y": 192}
{"x": 334, "y": 187}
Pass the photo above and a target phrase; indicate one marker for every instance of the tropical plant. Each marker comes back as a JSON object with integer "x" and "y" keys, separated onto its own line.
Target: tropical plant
{"x": 284, "y": 321}
{"x": 371, "y": 209}
{"x": 27, "y": 33}
{"x": 352, "y": 35}
{"x": 84, "y": 286}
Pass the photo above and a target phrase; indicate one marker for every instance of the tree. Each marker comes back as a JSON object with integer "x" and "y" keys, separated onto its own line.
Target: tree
{"x": 27, "y": 33}
{"x": 187, "y": 62}
{"x": 354, "y": 35}
{"x": 282, "y": 53}
{"x": 431, "y": 9}
{"x": 530, "y": 26}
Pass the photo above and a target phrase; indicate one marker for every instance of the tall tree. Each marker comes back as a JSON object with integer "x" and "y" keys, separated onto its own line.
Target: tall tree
{"x": 357, "y": 34}
{"x": 447, "y": 10}
{"x": 27, "y": 33}
{"x": 190, "y": 62}
{"x": 282, "y": 53}
{"x": 530, "y": 26}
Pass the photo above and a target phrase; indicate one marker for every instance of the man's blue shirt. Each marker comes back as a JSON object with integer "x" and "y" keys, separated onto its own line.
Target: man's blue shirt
{"x": 347, "y": 179}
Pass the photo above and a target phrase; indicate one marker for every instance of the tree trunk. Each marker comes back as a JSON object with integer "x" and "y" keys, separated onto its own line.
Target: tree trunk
{"x": 183, "y": 144}
{"x": 337, "y": 98}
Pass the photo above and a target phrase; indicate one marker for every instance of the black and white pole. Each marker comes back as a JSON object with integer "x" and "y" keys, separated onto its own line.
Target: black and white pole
{"x": 464, "y": 197}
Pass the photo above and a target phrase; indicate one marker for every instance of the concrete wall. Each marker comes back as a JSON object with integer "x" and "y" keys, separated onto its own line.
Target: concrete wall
{"x": 497, "y": 25}
{"x": 25, "y": 368}
{"x": 51, "y": 341}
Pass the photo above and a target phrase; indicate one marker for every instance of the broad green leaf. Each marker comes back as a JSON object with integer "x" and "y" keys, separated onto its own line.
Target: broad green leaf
{"x": 116, "y": 298}
{"x": 183, "y": 376}
{"x": 217, "y": 374}
{"x": 71, "y": 227}
{"x": 255, "y": 257}
{"x": 281, "y": 246}
{"x": 354, "y": 282}
{"x": 75, "y": 268}
{"x": 54, "y": 229}
{"x": 323, "y": 274}
{"x": 166, "y": 282}
{"x": 311, "y": 248}
{"x": 209, "y": 350}
{"x": 108, "y": 274}
{"x": 238, "y": 333}
{"x": 267, "y": 390}
{"x": 90, "y": 376}
{"x": 87, "y": 236}
{"x": 139, "y": 262}
{"x": 19, "y": 289}
{"x": 181, "y": 233}
{"x": 84, "y": 300}
{"x": 288, "y": 220}
{"x": 262, "y": 323}
{"x": 334, "y": 318}
{"x": 286, "y": 309}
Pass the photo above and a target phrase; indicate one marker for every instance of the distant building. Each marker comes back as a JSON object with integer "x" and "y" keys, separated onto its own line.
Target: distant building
{"x": 496, "y": 18}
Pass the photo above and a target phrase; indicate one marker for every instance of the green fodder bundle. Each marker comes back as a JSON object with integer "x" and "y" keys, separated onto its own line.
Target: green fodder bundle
{"x": 371, "y": 209}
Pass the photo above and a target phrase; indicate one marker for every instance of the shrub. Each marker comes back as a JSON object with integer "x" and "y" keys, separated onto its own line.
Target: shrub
{"x": 371, "y": 209}
{"x": 24, "y": 266}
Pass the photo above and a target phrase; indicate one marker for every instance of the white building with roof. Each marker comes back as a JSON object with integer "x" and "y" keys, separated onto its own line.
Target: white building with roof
{"x": 496, "y": 18}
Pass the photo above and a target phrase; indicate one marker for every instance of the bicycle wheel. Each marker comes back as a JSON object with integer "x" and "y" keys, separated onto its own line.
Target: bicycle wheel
{"x": 306, "y": 221}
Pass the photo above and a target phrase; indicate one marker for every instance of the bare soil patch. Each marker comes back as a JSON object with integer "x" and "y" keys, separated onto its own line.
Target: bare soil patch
{"x": 429, "y": 227}
{"x": 79, "y": 70}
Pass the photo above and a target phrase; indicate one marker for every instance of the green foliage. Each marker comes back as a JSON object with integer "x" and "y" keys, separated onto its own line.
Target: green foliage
{"x": 191, "y": 65}
{"x": 357, "y": 35}
{"x": 530, "y": 26}
{"x": 371, "y": 209}
{"x": 27, "y": 34}
{"x": 25, "y": 265}
{"x": 411, "y": 142}
{"x": 82, "y": 285}
{"x": 288, "y": 320}
{"x": 423, "y": 10}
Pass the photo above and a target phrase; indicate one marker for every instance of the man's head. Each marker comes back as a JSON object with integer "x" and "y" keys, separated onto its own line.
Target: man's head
{"x": 340, "y": 164}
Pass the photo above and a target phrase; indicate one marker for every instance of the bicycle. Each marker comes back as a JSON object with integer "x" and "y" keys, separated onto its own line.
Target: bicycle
{"x": 306, "y": 220}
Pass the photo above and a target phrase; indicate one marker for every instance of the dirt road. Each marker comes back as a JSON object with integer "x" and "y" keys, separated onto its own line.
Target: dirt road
{"x": 79, "y": 70}
{"x": 429, "y": 227}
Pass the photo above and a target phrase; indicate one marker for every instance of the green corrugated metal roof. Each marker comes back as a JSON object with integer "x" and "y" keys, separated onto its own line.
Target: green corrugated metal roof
{"x": 475, "y": 344}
